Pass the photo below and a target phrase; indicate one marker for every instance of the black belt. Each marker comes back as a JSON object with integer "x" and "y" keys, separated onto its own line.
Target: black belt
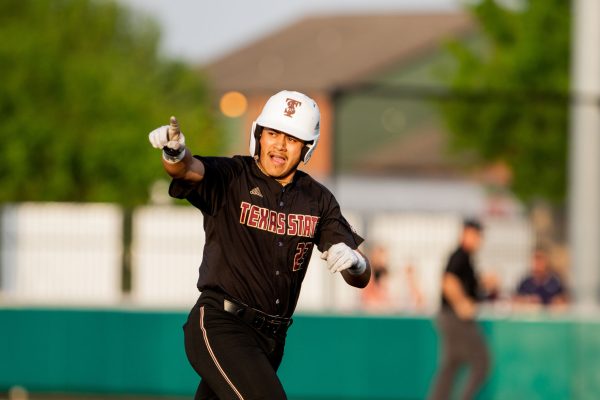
{"x": 269, "y": 324}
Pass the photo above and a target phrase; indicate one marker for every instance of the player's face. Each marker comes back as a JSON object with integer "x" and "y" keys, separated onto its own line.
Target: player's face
{"x": 279, "y": 153}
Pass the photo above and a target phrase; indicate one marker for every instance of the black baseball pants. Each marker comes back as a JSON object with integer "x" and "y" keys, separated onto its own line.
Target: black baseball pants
{"x": 234, "y": 360}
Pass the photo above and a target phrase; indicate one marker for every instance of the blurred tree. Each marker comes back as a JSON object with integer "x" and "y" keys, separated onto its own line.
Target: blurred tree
{"x": 516, "y": 82}
{"x": 82, "y": 85}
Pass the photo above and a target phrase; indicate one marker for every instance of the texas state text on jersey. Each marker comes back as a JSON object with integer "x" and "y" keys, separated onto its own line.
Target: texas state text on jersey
{"x": 278, "y": 222}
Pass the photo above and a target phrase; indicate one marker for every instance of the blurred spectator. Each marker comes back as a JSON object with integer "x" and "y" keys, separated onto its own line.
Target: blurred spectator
{"x": 412, "y": 299}
{"x": 541, "y": 287}
{"x": 461, "y": 341}
{"x": 376, "y": 295}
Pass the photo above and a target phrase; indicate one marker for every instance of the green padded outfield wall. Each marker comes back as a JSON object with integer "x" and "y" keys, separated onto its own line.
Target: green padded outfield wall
{"x": 124, "y": 351}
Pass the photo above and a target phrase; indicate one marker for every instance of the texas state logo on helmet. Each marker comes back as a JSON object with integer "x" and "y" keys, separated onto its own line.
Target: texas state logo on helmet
{"x": 293, "y": 113}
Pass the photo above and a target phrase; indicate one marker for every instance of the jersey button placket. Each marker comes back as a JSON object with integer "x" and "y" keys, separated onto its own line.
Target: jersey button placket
{"x": 281, "y": 196}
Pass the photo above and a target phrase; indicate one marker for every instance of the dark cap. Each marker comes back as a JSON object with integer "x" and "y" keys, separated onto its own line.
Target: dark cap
{"x": 473, "y": 223}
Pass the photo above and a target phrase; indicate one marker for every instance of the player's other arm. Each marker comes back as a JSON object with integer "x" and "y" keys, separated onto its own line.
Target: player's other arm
{"x": 176, "y": 158}
{"x": 352, "y": 264}
{"x": 453, "y": 291}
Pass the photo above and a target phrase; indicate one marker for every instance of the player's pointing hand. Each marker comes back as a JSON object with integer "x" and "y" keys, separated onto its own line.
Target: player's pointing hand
{"x": 167, "y": 136}
{"x": 170, "y": 139}
{"x": 341, "y": 257}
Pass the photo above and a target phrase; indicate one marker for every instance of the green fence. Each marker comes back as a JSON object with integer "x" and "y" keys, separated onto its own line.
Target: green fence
{"x": 122, "y": 351}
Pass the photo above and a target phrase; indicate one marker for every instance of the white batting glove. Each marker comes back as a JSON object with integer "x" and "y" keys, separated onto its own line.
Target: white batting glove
{"x": 340, "y": 257}
{"x": 169, "y": 137}
{"x": 159, "y": 138}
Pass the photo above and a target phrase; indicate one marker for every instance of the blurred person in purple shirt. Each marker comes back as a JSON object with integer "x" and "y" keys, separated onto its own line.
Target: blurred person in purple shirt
{"x": 542, "y": 286}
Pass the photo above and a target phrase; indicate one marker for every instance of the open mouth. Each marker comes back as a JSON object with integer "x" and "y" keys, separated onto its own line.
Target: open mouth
{"x": 277, "y": 160}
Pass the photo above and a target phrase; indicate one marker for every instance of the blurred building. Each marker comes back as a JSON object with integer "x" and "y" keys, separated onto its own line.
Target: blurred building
{"x": 337, "y": 60}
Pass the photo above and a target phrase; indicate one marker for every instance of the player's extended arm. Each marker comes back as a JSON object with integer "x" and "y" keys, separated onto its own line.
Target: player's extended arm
{"x": 177, "y": 159}
{"x": 463, "y": 306}
{"x": 352, "y": 264}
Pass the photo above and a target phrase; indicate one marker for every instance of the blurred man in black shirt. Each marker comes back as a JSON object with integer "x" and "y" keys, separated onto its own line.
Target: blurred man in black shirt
{"x": 461, "y": 341}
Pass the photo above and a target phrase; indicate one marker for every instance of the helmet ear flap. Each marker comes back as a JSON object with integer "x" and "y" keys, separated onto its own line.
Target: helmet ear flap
{"x": 307, "y": 147}
{"x": 255, "y": 134}
{"x": 305, "y": 150}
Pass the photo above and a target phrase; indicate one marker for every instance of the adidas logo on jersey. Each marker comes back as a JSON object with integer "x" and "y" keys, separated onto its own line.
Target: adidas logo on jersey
{"x": 256, "y": 192}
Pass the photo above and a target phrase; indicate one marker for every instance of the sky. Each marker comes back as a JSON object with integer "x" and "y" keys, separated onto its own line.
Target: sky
{"x": 201, "y": 31}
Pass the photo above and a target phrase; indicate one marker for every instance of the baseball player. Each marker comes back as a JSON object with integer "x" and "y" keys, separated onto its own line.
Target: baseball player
{"x": 262, "y": 218}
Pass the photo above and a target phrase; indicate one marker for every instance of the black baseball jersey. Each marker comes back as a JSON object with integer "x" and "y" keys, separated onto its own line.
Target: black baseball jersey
{"x": 461, "y": 265}
{"x": 260, "y": 234}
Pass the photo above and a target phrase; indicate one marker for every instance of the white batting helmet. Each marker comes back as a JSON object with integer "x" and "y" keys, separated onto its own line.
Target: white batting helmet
{"x": 290, "y": 112}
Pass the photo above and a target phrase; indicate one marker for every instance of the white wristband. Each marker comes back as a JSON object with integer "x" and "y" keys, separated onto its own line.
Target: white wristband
{"x": 174, "y": 159}
{"x": 360, "y": 266}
